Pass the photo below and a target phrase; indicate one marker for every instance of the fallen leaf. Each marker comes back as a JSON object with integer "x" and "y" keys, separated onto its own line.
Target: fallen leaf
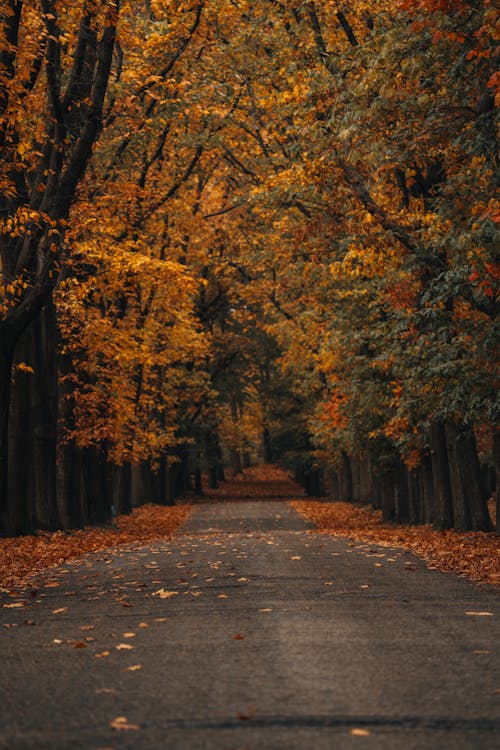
{"x": 238, "y": 637}
{"x": 480, "y": 614}
{"x": 124, "y": 647}
{"x": 101, "y": 655}
{"x": 242, "y": 580}
{"x": 163, "y": 594}
{"x": 266, "y": 609}
{"x": 295, "y": 557}
{"x": 222, "y": 596}
{"x": 87, "y": 627}
{"x": 246, "y": 717}
{"x": 58, "y": 611}
{"x": 133, "y": 668}
{"x": 80, "y": 644}
{"x": 360, "y": 732}
{"x": 143, "y": 625}
{"x": 12, "y": 606}
{"x": 129, "y": 635}
{"x": 121, "y": 723}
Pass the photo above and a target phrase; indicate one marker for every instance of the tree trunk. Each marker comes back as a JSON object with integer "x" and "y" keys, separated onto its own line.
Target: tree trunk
{"x": 388, "y": 495}
{"x": 365, "y": 477}
{"x": 443, "y": 503}
{"x": 198, "y": 481}
{"x": 469, "y": 505}
{"x": 236, "y": 465}
{"x": 21, "y": 445}
{"x": 333, "y": 485}
{"x": 221, "y": 477}
{"x": 182, "y": 475}
{"x": 198, "y": 485}
{"x": 401, "y": 499}
{"x": 45, "y": 398}
{"x": 414, "y": 495}
{"x": 123, "y": 489}
{"x": 356, "y": 477}
{"x": 427, "y": 490}
{"x": 268, "y": 451}
{"x": 171, "y": 479}
{"x": 346, "y": 479}
{"x": 496, "y": 461}
{"x": 376, "y": 489}
{"x": 6, "y": 361}
{"x": 212, "y": 460}
{"x": 68, "y": 479}
{"x": 314, "y": 485}
{"x": 96, "y": 484}
{"x": 68, "y": 486}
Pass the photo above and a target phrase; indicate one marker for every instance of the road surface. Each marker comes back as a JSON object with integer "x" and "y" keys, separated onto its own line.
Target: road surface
{"x": 248, "y": 631}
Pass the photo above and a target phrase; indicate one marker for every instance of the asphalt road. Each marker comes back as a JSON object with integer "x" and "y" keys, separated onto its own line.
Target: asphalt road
{"x": 249, "y": 632}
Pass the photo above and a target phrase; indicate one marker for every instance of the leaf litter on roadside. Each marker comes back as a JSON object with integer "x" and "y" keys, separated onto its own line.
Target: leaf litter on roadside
{"x": 23, "y": 557}
{"x": 474, "y": 554}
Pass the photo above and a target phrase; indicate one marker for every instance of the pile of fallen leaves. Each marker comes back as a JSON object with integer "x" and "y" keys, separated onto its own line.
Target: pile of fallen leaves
{"x": 475, "y": 555}
{"x": 263, "y": 482}
{"x": 21, "y": 557}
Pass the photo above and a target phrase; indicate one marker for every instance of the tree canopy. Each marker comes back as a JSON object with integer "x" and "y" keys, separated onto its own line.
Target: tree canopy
{"x": 232, "y": 229}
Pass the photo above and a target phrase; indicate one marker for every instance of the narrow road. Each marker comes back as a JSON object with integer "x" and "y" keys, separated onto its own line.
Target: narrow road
{"x": 249, "y": 632}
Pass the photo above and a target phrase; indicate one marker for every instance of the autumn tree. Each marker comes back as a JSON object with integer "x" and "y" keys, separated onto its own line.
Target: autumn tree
{"x": 55, "y": 66}
{"x": 286, "y": 229}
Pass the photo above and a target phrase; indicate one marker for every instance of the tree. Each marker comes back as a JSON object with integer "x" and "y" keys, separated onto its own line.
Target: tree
{"x": 55, "y": 65}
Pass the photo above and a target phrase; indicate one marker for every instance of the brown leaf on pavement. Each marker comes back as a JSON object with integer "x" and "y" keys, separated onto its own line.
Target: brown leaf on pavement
{"x": 164, "y": 594}
{"x": 121, "y": 723}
